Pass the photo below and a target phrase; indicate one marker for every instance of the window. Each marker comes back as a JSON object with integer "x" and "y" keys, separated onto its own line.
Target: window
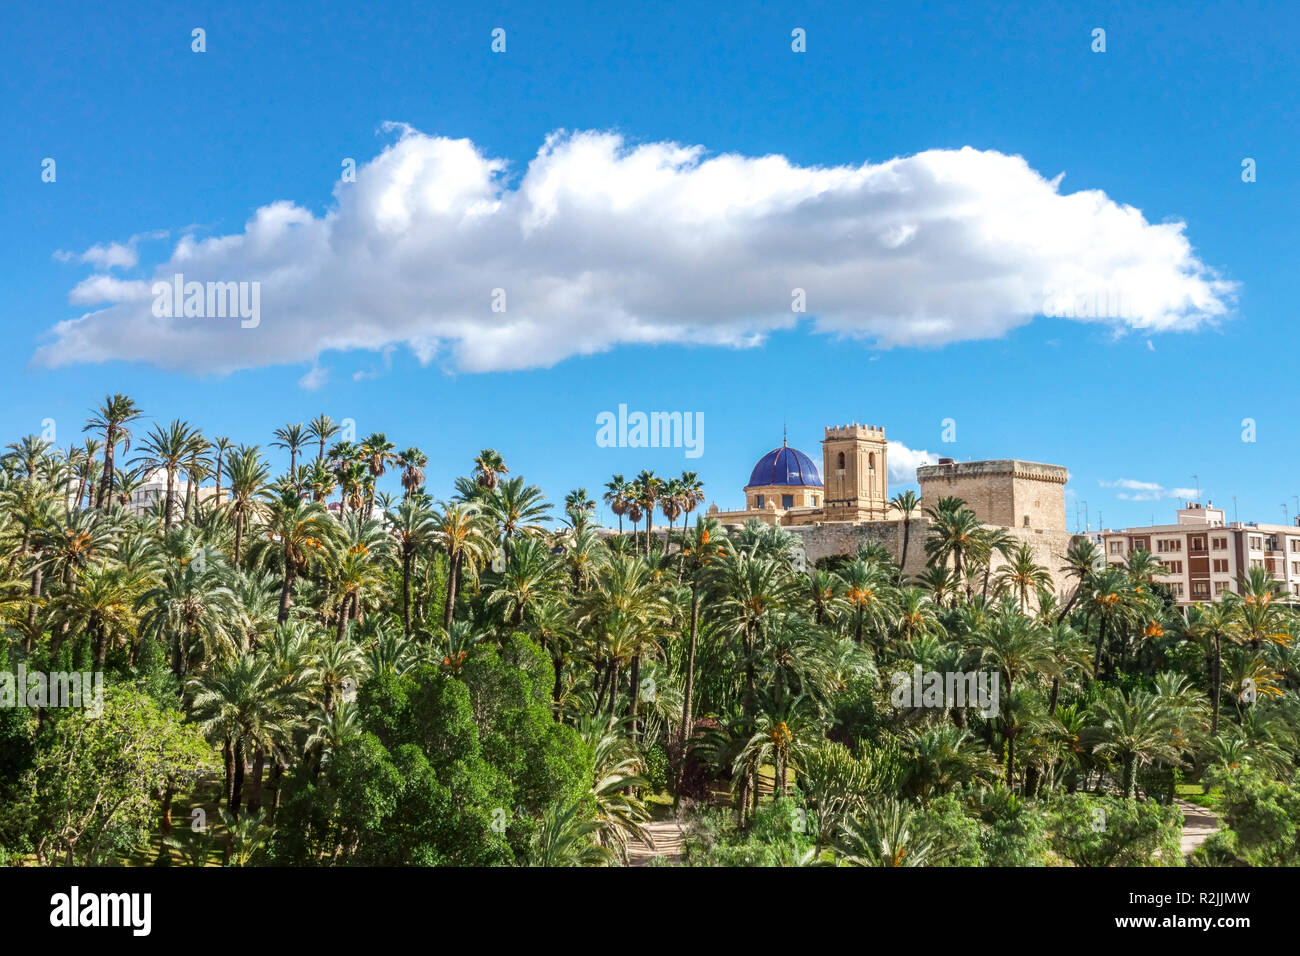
{"x": 1295, "y": 567}
{"x": 1178, "y": 588}
{"x": 1256, "y": 543}
{"x": 1221, "y": 586}
{"x": 840, "y": 466}
{"x": 1256, "y": 563}
{"x": 1295, "y": 545}
{"x": 871, "y": 461}
{"x": 758, "y": 501}
{"x": 1169, "y": 544}
{"x": 1220, "y": 544}
{"x": 787, "y": 501}
{"x": 814, "y": 501}
{"x": 1198, "y": 543}
{"x": 1172, "y": 567}
{"x": 1220, "y": 565}
{"x": 1116, "y": 547}
{"x": 1200, "y": 589}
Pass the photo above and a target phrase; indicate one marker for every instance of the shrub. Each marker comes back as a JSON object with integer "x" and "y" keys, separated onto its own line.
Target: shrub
{"x": 1103, "y": 830}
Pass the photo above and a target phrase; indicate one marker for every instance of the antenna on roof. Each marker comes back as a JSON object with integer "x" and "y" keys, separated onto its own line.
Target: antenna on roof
{"x": 785, "y": 435}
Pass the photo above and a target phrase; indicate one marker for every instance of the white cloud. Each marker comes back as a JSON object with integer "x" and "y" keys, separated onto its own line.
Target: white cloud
{"x": 903, "y": 462}
{"x": 600, "y": 243}
{"x": 112, "y": 255}
{"x": 98, "y": 289}
{"x": 316, "y": 377}
{"x": 1149, "y": 490}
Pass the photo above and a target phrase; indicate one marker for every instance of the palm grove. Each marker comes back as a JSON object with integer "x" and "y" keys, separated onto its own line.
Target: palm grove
{"x": 403, "y": 680}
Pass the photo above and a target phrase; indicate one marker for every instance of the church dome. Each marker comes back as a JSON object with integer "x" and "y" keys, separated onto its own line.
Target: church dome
{"x": 785, "y": 466}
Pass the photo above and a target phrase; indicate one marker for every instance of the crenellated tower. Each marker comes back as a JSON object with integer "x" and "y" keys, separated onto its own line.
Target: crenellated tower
{"x": 856, "y": 473}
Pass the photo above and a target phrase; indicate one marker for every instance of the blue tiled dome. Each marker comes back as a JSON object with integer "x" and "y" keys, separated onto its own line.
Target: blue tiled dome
{"x": 785, "y": 466}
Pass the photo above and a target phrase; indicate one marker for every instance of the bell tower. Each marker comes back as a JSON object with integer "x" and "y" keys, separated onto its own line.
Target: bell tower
{"x": 856, "y": 473}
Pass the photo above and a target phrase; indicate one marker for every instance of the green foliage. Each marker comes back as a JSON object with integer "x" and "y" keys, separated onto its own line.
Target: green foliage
{"x": 1102, "y": 830}
{"x": 944, "y": 823}
{"x": 778, "y": 835}
{"x": 90, "y": 792}
{"x": 1262, "y": 823}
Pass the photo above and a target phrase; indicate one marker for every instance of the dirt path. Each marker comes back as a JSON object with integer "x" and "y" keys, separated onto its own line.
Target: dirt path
{"x": 1198, "y": 824}
{"x": 667, "y": 837}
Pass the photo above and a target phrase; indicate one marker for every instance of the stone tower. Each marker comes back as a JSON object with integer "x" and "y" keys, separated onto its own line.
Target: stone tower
{"x": 856, "y": 473}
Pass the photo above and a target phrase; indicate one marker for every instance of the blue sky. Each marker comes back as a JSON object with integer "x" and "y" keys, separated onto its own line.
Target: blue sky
{"x": 150, "y": 138}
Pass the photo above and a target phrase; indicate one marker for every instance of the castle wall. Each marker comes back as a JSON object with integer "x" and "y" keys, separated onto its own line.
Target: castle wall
{"x": 839, "y": 538}
{"x": 1009, "y": 493}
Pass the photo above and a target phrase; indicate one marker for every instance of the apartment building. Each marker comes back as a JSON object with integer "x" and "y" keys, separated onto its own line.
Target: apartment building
{"x": 1204, "y": 556}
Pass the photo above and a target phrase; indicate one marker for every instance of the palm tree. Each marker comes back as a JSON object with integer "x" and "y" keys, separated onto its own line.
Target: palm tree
{"x": 906, "y": 502}
{"x": 692, "y": 493}
{"x": 101, "y": 606}
{"x": 298, "y": 532}
{"x": 459, "y": 531}
{"x": 616, "y": 496}
{"x": 292, "y": 437}
{"x": 869, "y": 599}
{"x": 196, "y": 469}
{"x": 1015, "y": 645}
{"x": 164, "y": 450}
{"x": 377, "y": 452}
{"x": 516, "y": 508}
{"x": 530, "y": 573}
{"x": 412, "y": 462}
{"x": 221, "y": 444}
{"x": 191, "y": 608}
{"x": 1023, "y": 574}
{"x": 955, "y": 532}
{"x": 1082, "y": 559}
{"x": 248, "y": 709}
{"x": 1135, "y": 729}
{"x": 647, "y": 490}
{"x": 748, "y": 591}
{"x": 112, "y": 418}
{"x": 414, "y": 527}
{"x": 490, "y": 466}
{"x": 248, "y": 477}
{"x": 578, "y": 507}
{"x": 321, "y": 429}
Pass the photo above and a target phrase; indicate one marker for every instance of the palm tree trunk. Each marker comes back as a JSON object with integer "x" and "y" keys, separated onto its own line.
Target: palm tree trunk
{"x": 237, "y": 784}
{"x": 228, "y": 756}
{"x": 636, "y": 694}
{"x": 167, "y": 505}
{"x": 406, "y": 592}
{"x": 286, "y": 593}
{"x": 690, "y": 672}
{"x": 341, "y": 627}
{"x": 1216, "y": 682}
{"x": 613, "y": 692}
{"x": 907, "y": 534}
{"x": 255, "y": 790}
{"x": 453, "y": 573}
{"x": 106, "y": 479}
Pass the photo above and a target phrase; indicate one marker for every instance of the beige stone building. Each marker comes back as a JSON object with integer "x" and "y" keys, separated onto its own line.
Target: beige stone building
{"x": 845, "y": 504}
{"x": 1204, "y": 556}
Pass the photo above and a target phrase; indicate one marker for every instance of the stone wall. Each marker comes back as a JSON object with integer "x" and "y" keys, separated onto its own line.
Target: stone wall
{"x": 1008, "y": 493}
{"x": 840, "y": 538}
